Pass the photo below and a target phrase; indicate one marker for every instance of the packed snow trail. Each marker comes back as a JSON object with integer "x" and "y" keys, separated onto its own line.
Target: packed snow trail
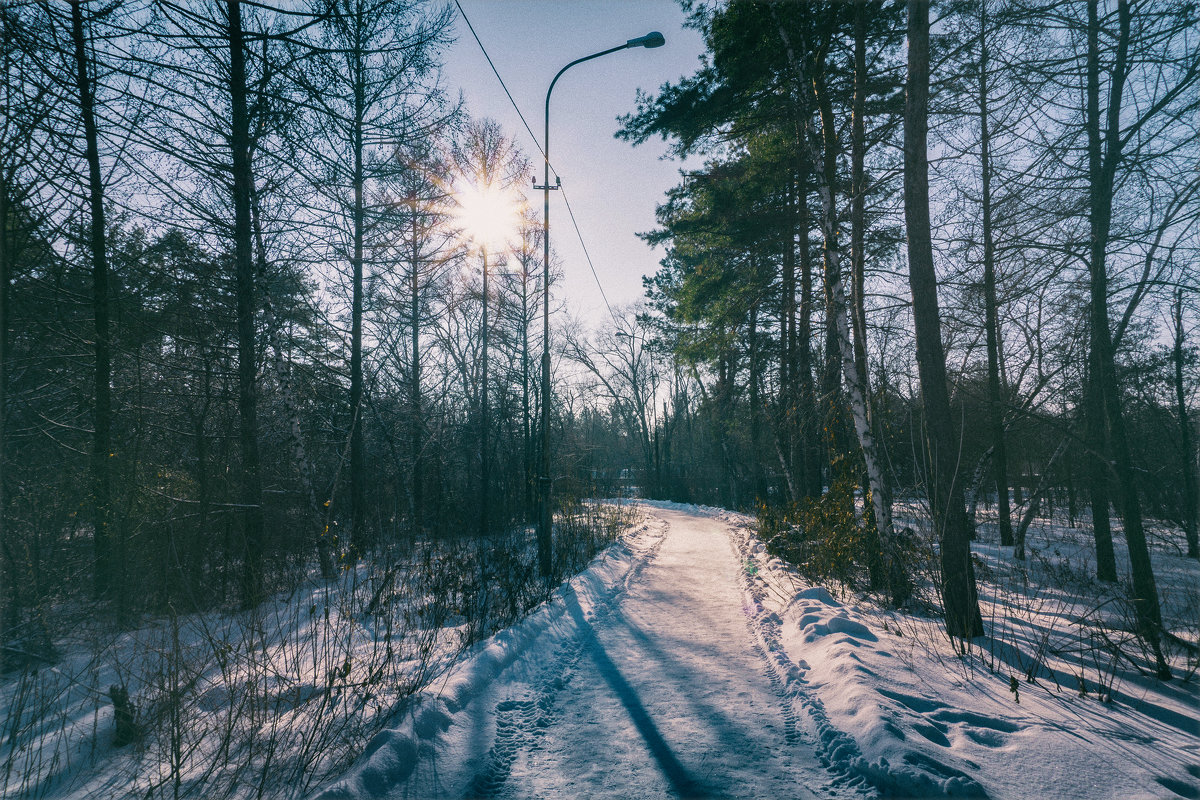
{"x": 651, "y": 674}
{"x": 672, "y": 695}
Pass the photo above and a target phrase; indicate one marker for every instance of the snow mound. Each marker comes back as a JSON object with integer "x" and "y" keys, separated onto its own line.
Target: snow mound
{"x": 817, "y": 593}
{"x": 893, "y": 707}
{"x": 857, "y": 735}
{"x": 438, "y": 736}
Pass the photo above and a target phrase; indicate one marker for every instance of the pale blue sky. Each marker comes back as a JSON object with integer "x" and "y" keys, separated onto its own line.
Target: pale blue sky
{"x": 612, "y": 186}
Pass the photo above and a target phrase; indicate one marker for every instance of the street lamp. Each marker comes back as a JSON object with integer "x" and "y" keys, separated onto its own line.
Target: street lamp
{"x": 545, "y": 482}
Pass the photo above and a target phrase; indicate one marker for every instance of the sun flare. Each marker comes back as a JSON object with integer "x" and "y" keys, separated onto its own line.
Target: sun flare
{"x": 489, "y": 214}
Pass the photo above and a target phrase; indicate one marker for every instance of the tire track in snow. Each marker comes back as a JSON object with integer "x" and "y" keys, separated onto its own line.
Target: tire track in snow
{"x": 764, "y": 633}
{"x": 838, "y": 751}
{"x": 517, "y": 725}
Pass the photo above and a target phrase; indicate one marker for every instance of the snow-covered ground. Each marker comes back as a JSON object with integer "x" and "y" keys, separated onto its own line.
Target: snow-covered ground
{"x": 273, "y": 701}
{"x": 684, "y": 661}
{"x": 897, "y": 704}
{"x": 687, "y": 662}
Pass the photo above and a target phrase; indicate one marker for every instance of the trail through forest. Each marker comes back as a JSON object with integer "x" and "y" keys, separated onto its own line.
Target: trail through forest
{"x": 686, "y": 661}
{"x": 669, "y": 694}
{"x": 662, "y": 684}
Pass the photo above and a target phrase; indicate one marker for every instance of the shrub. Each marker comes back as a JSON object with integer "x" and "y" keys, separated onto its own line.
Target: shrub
{"x": 823, "y": 537}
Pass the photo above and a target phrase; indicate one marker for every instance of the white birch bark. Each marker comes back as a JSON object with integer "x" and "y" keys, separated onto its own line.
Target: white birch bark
{"x": 977, "y": 486}
{"x": 850, "y": 372}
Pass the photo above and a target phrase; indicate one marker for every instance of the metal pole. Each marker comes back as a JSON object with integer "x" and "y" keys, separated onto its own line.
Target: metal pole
{"x": 545, "y": 514}
{"x": 545, "y": 482}
{"x": 483, "y": 415}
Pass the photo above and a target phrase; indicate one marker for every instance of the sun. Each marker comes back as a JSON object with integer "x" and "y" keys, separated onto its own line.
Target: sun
{"x": 490, "y": 215}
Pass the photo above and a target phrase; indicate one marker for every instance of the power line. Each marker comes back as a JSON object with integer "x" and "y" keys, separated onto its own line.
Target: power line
{"x": 587, "y": 255}
{"x": 503, "y": 86}
{"x": 538, "y": 145}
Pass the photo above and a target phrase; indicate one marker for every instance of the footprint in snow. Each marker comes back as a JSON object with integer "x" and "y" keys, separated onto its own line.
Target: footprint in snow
{"x": 922, "y": 705}
{"x": 934, "y": 733}
{"x": 978, "y": 720}
{"x": 851, "y": 628}
{"x": 979, "y": 728}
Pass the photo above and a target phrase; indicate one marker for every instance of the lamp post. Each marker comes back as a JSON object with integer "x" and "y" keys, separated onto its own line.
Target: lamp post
{"x": 484, "y": 471}
{"x": 545, "y": 482}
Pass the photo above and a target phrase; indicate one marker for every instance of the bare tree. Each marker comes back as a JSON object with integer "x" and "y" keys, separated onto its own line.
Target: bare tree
{"x": 1186, "y": 446}
{"x": 625, "y": 374}
{"x": 223, "y": 101}
{"x": 414, "y": 242}
{"x": 992, "y": 317}
{"x": 490, "y": 168}
{"x": 373, "y": 86}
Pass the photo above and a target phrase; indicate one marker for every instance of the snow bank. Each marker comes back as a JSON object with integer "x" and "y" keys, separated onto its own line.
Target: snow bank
{"x": 890, "y": 707}
{"x": 894, "y": 709}
{"x": 451, "y": 726}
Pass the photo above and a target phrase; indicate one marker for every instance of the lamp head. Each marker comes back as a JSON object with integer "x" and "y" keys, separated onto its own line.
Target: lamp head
{"x": 651, "y": 39}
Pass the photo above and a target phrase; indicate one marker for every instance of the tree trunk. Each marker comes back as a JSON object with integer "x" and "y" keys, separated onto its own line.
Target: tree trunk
{"x": 1035, "y": 499}
{"x": 809, "y": 423}
{"x": 825, "y": 163}
{"x": 832, "y": 412}
{"x": 789, "y": 396}
{"x": 858, "y": 199}
{"x": 806, "y": 431}
{"x": 1185, "y": 437}
{"x": 243, "y": 185}
{"x": 102, "y": 452}
{"x": 195, "y": 572}
{"x": 416, "y": 429}
{"x": 1072, "y": 504}
{"x": 287, "y": 394}
{"x": 858, "y": 262}
{"x": 977, "y": 488}
{"x": 8, "y": 570}
{"x": 1097, "y": 438}
{"x": 760, "y": 489}
{"x": 959, "y": 595}
{"x": 992, "y": 322}
{"x": 1097, "y": 433}
{"x": 484, "y": 475}
{"x": 359, "y": 539}
{"x": 526, "y": 440}
{"x": 102, "y": 455}
{"x": 1102, "y": 166}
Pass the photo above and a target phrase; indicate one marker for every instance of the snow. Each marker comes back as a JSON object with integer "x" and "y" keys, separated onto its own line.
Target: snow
{"x": 894, "y": 705}
{"x": 643, "y": 677}
{"x": 306, "y": 673}
{"x": 686, "y": 661}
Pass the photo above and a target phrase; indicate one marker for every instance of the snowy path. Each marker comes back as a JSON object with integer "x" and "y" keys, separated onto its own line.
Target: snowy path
{"x": 686, "y": 661}
{"x": 672, "y": 695}
{"x": 649, "y": 675}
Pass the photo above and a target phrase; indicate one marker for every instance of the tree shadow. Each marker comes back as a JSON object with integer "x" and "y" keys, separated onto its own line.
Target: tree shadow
{"x": 682, "y": 783}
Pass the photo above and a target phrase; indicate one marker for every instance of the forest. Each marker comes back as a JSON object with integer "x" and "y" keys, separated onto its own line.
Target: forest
{"x": 936, "y": 278}
{"x": 1033, "y": 351}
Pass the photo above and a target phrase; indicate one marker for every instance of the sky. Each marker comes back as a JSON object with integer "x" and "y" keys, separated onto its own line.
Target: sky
{"x": 612, "y": 186}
